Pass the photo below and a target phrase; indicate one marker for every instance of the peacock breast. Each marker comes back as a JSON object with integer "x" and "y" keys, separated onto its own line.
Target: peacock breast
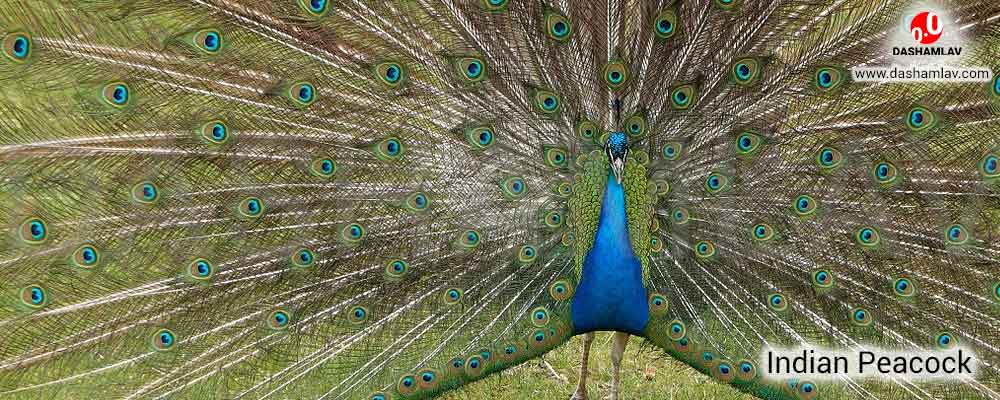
{"x": 610, "y": 294}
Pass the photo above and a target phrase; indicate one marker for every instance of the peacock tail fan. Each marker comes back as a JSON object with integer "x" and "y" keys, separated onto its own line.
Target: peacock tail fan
{"x": 388, "y": 199}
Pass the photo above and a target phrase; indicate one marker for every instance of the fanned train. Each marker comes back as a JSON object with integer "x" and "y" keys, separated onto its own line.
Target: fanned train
{"x": 389, "y": 199}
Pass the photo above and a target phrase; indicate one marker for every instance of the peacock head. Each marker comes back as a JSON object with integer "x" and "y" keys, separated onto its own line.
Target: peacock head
{"x": 617, "y": 149}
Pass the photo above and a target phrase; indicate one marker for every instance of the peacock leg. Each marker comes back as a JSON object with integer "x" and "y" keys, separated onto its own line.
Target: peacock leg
{"x": 617, "y": 352}
{"x": 581, "y": 388}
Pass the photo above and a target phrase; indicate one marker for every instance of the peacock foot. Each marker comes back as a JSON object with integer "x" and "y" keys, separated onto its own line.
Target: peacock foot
{"x": 578, "y": 395}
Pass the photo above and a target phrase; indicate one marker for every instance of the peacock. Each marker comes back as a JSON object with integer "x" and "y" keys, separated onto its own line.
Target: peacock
{"x": 390, "y": 199}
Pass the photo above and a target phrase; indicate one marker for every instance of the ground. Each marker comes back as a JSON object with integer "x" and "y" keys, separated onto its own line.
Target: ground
{"x": 647, "y": 373}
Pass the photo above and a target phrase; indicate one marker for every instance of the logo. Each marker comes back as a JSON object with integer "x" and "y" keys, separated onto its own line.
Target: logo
{"x": 926, "y": 27}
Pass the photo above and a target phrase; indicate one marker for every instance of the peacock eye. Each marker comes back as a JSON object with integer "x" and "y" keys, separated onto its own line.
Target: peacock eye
{"x": 727, "y": 4}
{"x": 527, "y": 254}
{"x": 826, "y": 79}
{"x": 514, "y": 187}
{"x": 920, "y": 120}
{"x": 427, "y": 377}
{"x": 315, "y": 8}
{"x": 989, "y": 167}
{"x": 163, "y": 340}
{"x": 407, "y": 385}
{"x": 680, "y": 215}
{"x": 472, "y": 69}
{"x": 452, "y": 296}
{"x": 556, "y": 157}
{"x": 495, "y": 5}
{"x": 417, "y": 202}
{"x": 302, "y": 94}
{"x": 323, "y": 167}
{"x": 561, "y": 290}
{"x": 956, "y": 234}
{"x": 116, "y": 94}
{"x": 671, "y": 151}
{"x": 586, "y": 130}
{"x": 829, "y": 159}
{"x": 807, "y": 388}
{"x": 867, "y": 237}
{"x": 390, "y": 149}
{"x": 777, "y": 302}
{"x": 861, "y": 317}
{"x": 17, "y": 46}
{"x": 279, "y": 320}
{"x": 540, "y": 317}
{"x": 391, "y": 74}
{"x": 86, "y": 256}
{"x": 218, "y": 132}
{"x": 822, "y": 278}
{"x": 945, "y": 340}
{"x": 745, "y": 71}
{"x": 145, "y": 193}
{"x": 33, "y": 231}
{"x": 547, "y": 102}
{"x": 34, "y": 297}
{"x": 480, "y": 137}
{"x": 558, "y": 27}
{"x": 763, "y": 232}
{"x": 804, "y": 205}
{"x": 904, "y": 287}
{"x": 716, "y": 183}
{"x": 208, "y": 41}
{"x": 885, "y": 173}
{"x": 681, "y": 97}
{"x": 616, "y": 74}
{"x": 665, "y": 24}
{"x": 200, "y": 269}
{"x": 353, "y": 233}
{"x": 704, "y": 249}
{"x": 251, "y": 207}
{"x": 655, "y": 245}
{"x": 357, "y": 314}
{"x": 469, "y": 239}
{"x": 303, "y": 258}
{"x": 635, "y": 125}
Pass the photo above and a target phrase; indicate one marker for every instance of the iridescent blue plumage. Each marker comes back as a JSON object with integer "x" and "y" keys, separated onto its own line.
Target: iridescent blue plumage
{"x": 611, "y": 295}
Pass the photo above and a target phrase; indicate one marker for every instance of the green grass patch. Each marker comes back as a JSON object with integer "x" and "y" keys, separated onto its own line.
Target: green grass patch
{"x": 647, "y": 373}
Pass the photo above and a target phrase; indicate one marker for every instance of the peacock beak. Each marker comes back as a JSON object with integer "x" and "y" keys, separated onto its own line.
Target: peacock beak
{"x": 618, "y": 166}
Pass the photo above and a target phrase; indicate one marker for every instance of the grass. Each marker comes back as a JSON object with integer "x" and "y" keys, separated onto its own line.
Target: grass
{"x": 647, "y": 373}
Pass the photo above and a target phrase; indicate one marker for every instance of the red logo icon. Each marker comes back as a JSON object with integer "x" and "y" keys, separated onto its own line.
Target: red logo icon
{"x": 926, "y": 27}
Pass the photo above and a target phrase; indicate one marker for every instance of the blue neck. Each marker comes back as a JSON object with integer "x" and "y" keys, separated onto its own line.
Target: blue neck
{"x": 612, "y": 229}
{"x": 610, "y": 294}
